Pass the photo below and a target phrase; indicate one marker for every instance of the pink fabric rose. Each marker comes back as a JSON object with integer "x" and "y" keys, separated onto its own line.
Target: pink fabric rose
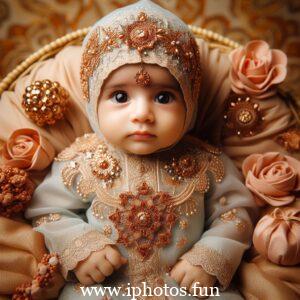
{"x": 26, "y": 149}
{"x": 256, "y": 69}
{"x": 277, "y": 236}
{"x": 272, "y": 177}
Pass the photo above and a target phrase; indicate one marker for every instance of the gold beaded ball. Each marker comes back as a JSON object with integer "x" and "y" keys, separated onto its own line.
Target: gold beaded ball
{"x": 45, "y": 102}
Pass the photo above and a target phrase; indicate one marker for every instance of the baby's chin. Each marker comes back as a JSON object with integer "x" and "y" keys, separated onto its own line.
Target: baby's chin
{"x": 140, "y": 148}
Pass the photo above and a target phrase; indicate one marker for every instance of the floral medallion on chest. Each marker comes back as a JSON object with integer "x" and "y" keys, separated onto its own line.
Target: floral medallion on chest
{"x": 145, "y": 220}
{"x": 191, "y": 161}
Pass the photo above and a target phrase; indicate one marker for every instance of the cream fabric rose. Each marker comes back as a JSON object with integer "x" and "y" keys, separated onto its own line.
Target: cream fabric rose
{"x": 272, "y": 177}
{"x": 256, "y": 69}
{"x": 27, "y": 149}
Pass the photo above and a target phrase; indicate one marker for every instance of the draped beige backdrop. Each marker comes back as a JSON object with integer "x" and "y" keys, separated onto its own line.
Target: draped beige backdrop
{"x": 25, "y": 26}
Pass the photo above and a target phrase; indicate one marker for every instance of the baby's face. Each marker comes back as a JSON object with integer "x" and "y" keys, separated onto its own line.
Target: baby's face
{"x": 138, "y": 119}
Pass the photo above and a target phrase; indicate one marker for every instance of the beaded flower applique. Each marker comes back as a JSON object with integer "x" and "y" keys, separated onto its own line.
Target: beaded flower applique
{"x": 145, "y": 220}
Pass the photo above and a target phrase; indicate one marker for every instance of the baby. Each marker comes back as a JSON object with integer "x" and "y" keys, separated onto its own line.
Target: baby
{"x": 140, "y": 201}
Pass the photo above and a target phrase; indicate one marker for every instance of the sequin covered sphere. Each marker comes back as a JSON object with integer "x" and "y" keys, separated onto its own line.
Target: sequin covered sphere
{"x": 45, "y": 102}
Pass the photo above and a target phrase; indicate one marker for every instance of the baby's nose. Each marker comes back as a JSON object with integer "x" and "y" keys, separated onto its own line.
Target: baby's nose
{"x": 142, "y": 111}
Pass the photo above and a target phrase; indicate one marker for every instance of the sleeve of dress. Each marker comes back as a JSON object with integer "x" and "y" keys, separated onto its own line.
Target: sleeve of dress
{"x": 229, "y": 212}
{"x": 58, "y": 214}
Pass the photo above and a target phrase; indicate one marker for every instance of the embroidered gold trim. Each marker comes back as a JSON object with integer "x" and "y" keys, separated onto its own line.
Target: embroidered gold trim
{"x": 212, "y": 262}
{"x": 81, "y": 247}
{"x": 83, "y": 144}
{"x": 46, "y": 219}
{"x": 231, "y": 216}
{"x": 150, "y": 271}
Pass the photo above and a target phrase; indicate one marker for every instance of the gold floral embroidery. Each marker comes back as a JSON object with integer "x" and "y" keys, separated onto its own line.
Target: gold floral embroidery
{"x": 231, "y": 216}
{"x": 139, "y": 170}
{"x": 183, "y": 167}
{"x": 105, "y": 166}
{"x": 83, "y": 144}
{"x": 47, "y": 219}
{"x": 142, "y": 35}
{"x": 91, "y": 160}
{"x": 81, "y": 247}
{"x": 107, "y": 230}
{"x": 240, "y": 224}
{"x": 211, "y": 261}
{"x": 145, "y": 221}
{"x": 183, "y": 224}
{"x": 195, "y": 164}
{"x": 189, "y": 207}
{"x": 181, "y": 242}
{"x": 150, "y": 271}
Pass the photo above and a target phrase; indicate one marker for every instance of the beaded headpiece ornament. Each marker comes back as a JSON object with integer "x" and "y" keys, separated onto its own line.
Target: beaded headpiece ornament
{"x": 141, "y": 33}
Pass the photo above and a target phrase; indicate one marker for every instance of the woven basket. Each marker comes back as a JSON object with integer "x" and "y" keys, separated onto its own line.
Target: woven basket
{"x": 215, "y": 40}
{"x": 75, "y": 38}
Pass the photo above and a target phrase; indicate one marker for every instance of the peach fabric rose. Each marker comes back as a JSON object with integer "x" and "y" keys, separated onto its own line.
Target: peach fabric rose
{"x": 27, "y": 149}
{"x": 272, "y": 177}
{"x": 256, "y": 69}
{"x": 277, "y": 236}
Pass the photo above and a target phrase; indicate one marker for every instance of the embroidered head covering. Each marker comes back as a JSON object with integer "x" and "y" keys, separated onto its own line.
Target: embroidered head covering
{"x": 141, "y": 33}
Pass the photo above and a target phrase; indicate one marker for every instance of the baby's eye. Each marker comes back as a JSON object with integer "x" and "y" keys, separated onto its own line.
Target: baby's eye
{"x": 120, "y": 97}
{"x": 164, "y": 97}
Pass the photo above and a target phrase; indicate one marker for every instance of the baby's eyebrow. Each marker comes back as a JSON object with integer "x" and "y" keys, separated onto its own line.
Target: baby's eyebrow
{"x": 154, "y": 84}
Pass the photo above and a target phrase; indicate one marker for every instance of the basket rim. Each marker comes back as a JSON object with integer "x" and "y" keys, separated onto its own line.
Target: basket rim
{"x": 80, "y": 33}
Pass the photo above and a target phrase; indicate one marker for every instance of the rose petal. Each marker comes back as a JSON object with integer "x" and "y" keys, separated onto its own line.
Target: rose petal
{"x": 263, "y": 187}
{"x": 279, "y": 58}
{"x": 26, "y": 149}
{"x": 43, "y": 156}
{"x": 249, "y": 163}
{"x": 256, "y": 69}
{"x": 17, "y": 163}
{"x": 258, "y": 47}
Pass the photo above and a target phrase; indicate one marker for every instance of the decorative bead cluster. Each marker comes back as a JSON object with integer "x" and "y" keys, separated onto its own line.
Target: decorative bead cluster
{"x": 243, "y": 117}
{"x": 16, "y": 190}
{"x": 46, "y": 269}
{"x": 145, "y": 221}
{"x": 105, "y": 166}
{"x": 45, "y": 102}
